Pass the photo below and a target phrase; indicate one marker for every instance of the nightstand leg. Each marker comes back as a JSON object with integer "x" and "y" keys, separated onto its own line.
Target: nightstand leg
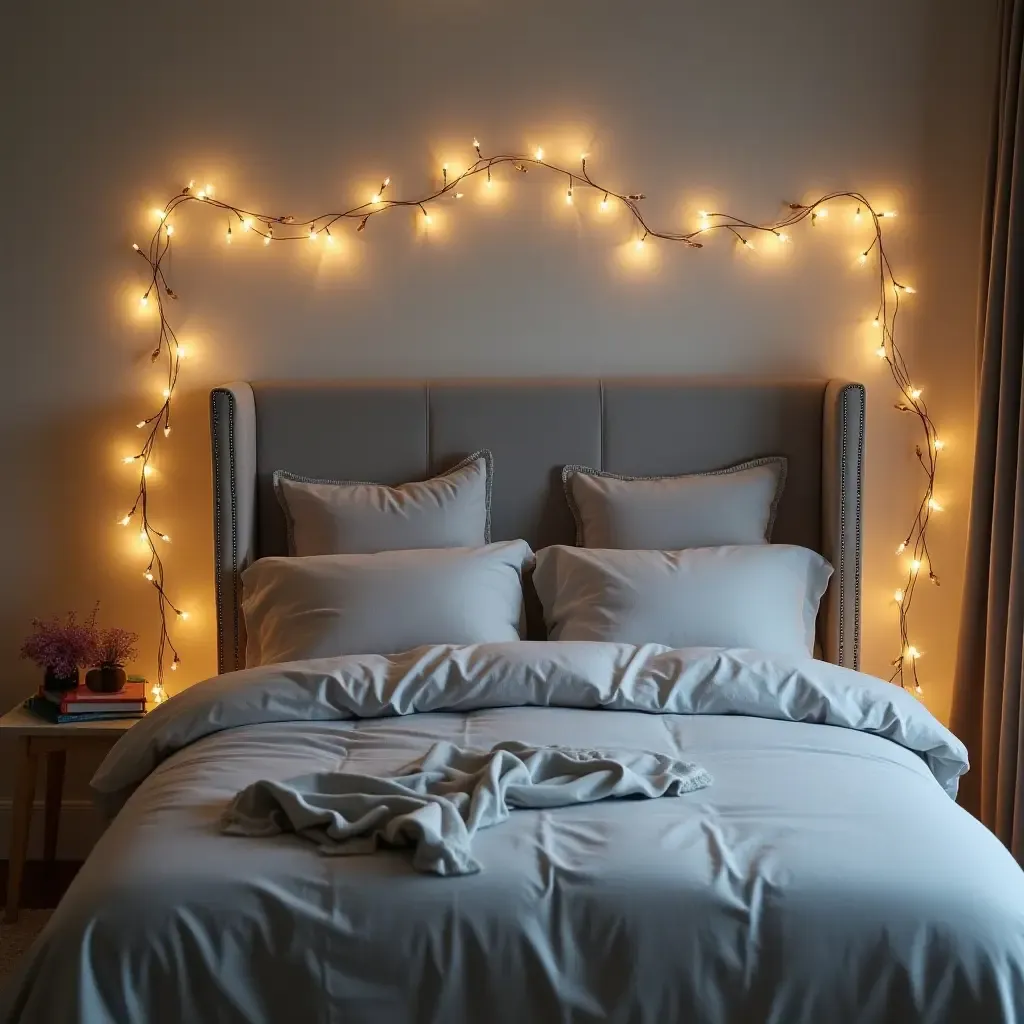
{"x": 21, "y": 819}
{"x": 54, "y": 790}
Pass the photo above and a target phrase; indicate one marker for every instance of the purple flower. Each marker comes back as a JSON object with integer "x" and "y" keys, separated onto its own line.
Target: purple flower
{"x": 115, "y": 646}
{"x": 61, "y": 645}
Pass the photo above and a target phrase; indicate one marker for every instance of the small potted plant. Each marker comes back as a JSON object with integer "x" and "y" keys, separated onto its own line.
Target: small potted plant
{"x": 60, "y": 648}
{"x": 113, "y": 649}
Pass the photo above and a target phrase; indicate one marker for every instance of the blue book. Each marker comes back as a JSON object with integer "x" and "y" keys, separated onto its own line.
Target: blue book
{"x": 51, "y": 712}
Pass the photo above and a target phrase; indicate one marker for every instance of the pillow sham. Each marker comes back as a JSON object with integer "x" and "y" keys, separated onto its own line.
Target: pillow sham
{"x": 736, "y": 505}
{"x": 763, "y": 596}
{"x": 334, "y": 517}
{"x": 321, "y": 606}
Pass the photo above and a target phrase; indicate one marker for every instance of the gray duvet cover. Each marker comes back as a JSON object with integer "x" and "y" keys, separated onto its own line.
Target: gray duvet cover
{"x": 826, "y": 876}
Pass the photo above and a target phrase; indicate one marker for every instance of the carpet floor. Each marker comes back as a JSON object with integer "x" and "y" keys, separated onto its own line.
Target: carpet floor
{"x": 16, "y": 938}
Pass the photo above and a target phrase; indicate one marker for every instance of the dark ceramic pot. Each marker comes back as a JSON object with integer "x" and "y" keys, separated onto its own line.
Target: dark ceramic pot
{"x": 106, "y": 679}
{"x": 54, "y": 683}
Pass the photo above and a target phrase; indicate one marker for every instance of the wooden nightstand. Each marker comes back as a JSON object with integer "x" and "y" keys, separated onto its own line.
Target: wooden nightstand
{"x": 36, "y": 738}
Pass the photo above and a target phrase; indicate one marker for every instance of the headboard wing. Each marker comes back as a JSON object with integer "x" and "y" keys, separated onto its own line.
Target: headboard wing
{"x": 390, "y": 432}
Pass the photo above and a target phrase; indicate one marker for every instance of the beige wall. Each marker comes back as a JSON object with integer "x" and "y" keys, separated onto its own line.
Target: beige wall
{"x": 109, "y": 108}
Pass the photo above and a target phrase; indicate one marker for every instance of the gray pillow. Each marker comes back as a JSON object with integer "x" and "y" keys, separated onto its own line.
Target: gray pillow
{"x": 762, "y": 596}
{"x": 321, "y": 606}
{"x": 725, "y": 506}
{"x": 335, "y": 517}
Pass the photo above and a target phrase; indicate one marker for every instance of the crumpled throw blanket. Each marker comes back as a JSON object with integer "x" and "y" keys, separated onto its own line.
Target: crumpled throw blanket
{"x": 436, "y": 803}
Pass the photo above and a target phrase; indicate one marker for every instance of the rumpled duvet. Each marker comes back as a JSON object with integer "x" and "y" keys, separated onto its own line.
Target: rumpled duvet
{"x": 825, "y": 876}
{"x": 437, "y": 803}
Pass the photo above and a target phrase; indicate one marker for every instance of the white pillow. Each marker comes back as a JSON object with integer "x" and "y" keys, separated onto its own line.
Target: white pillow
{"x": 762, "y": 596}
{"x": 321, "y": 606}
{"x": 735, "y": 505}
{"x": 338, "y": 517}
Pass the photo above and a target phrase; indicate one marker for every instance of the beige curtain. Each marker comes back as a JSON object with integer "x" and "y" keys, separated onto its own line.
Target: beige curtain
{"x": 987, "y": 710}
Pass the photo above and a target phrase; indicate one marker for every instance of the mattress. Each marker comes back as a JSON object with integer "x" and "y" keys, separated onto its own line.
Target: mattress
{"x": 825, "y": 875}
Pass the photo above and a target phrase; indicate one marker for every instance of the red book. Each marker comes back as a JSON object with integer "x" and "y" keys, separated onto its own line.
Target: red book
{"x": 131, "y": 697}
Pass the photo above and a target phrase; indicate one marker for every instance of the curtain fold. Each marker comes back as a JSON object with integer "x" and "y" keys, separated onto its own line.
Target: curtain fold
{"x": 987, "y": 710}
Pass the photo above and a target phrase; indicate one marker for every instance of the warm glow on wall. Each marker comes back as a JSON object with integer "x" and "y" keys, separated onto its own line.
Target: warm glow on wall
{"x": 574, "y": 187}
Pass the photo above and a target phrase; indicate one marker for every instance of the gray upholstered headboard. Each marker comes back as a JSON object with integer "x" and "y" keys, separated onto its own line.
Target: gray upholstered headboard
{"x": 393, "y": 432}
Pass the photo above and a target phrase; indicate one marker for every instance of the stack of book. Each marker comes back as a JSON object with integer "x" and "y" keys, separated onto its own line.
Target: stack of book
{"x": 85, "y": 705}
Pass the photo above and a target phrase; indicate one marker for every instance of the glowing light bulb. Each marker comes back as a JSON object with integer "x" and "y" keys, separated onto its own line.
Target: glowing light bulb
{"x": 129, "y": 459}
{"x": 915, "y": 393}
{"x": 135, "y": 246}
{"x": 140, "y": 424}
{"x": 747, "y": 244}
{"x": 159, "y": 214}
{"x": 898, "y": 597}
{"x": 375, "y": 198}
{"x": 876, "y": 322}
{"x": 147, "y": 470}
{"x": 458, "y": 195}
{"x": 209, "y": 189}
{"x": 822, "y": 211}
{"x": 330, "y": 237}
{"x": 166, "y": 392}
{"x": 312, "y": 233}
{"x": 703, "y": 214}
{"x": 568, "y": 196}
{"x": 857, "y": 216}
{"x": 227, "y": 236}
{"x": 148, "y": 575}
{"x": 247, "y": 224}
{"x": 174, "y": 668}
{"x": 184, "y": 352}
{"x": 183, "y": 616}
{"x": 490, "y": 184}
{"x": 913, "y": 653}
{"x": 909, "y": 290}
{"x": 782, "y": 236}
{"x": 880, "y": 352}
{"x": 267, "y": 239}
{"x": 125, "y": 520}
{"x": 201, "y": 194}
{"x": 169, "y": 229}
{"x": 144, "y": 301}
{"x": 165, "y": 538}
{"x": 387, "y": 181}
{"x": 143, "y": 535}
{"x": 934, "y": 505}
{"x": 639, "y": 243}
{"x": 476, "y": 144}
{"x": 888, "y": 213}
{"x": 862, "y": 258}
{"x": 939, "y": 445}
{"x": 915, "y": 565}
{"x": 603, "y": 205}
{"x": 538, "y": 153}
{"x": 427, "y": 219}
{"x": 167, "y": 431}
{"x": 901, "y": 548}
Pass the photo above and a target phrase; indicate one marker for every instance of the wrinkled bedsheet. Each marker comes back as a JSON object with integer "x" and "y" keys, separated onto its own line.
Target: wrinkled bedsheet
{"x": 437, "y": 803}
{"x": 825, "y": 876}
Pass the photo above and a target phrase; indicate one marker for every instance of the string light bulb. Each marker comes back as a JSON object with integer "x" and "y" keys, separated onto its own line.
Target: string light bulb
{"x": 247, "y": 223}
{"x": 913, "y": 653}
{"x": 209, "y": 190}
{"x": 888, "y": 213}
{"x": 915, "y": 393}
{"x": 880, "y": 352}
{"x": 782, "y": 236}
{"x": 934, "y": 505}
{"x": 269, "y": 236}
{"x": 228, "y": 235}
{"x": 312, "y": 233}
{"x": 876, "y": 322}
{"x": 125, "y": 520}
{"x": 135, "y": 246}
{"x": 538, "y": 153}
{"x": 902, "y": 547}
{"x": 603, "y": 205}
{"x": 169, "y": 228}
{"x": 165, "y": 538}
{"x": 898, "y": 596}
{"x": 862, "y": 258}
{"x": 144, "y": 301}
{"x": 159, "y": 214}
{"x": 857, "y": 217}
{"x": 166, "y": 392}
{"x": 915, "y": 565}
{"x": 147, "y": 470}
{"x": 821, "y": 211}
{"x": 183, "y": 616}
{"x": 129, "y": 459}
{"x": 938, "y": 445}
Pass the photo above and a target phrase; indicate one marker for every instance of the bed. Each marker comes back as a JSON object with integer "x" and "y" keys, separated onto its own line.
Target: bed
{"x": 825, "y": 875}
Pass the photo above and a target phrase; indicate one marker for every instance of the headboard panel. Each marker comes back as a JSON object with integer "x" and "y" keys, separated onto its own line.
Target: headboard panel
{"x": 393, "y": 432}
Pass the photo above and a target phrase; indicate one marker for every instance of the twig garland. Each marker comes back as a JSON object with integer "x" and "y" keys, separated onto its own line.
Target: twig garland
{"x": 276, "y": 228}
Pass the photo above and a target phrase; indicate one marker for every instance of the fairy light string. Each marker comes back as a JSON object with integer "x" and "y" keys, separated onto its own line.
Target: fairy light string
{"x": 274, "y": 228}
